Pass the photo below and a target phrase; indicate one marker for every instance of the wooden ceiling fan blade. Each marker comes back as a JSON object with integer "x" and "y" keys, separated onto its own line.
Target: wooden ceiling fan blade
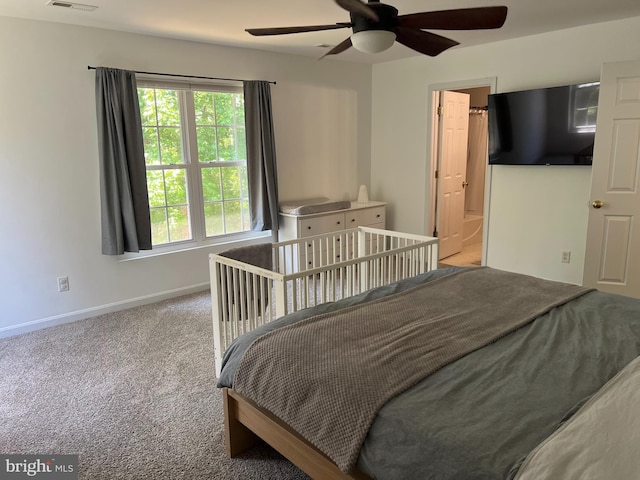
{"x": 359, "y": 8}
{"x": 259, "y": 32}
{"x": 423, "y": 42}
{"x": 341, "y": 47}
{"x": 459, "y": 19}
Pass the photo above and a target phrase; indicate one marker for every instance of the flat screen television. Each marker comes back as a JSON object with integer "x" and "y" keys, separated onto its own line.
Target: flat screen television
{"x": 545, "y": 126}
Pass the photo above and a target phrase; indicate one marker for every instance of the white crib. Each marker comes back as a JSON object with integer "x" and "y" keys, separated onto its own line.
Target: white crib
{"x": 310, "y": 271}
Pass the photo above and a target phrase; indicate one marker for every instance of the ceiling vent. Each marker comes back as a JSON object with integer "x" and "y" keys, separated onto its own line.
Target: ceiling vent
{"x": 75, "y": 6}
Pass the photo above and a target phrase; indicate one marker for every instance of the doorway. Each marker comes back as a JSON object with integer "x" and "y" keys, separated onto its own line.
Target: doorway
{"x": 476, "y": 182}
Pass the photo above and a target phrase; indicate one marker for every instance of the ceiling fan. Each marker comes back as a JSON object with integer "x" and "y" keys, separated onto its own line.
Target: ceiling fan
{"x": 377, "y": 25}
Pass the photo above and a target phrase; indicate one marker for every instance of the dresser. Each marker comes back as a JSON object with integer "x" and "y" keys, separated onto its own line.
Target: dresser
{"x": 371, "y": 214}
{"x": 292, "y": 227}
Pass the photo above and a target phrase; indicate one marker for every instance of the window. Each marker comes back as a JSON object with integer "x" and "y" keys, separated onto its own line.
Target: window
{"x": 195, "y": 154}
{"x": 584, "y": 107}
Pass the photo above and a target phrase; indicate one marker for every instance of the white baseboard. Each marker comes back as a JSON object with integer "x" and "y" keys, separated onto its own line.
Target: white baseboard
{"x": 70, "y": 317}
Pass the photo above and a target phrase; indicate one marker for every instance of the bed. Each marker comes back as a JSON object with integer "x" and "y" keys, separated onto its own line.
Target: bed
{"x": 500, "y": 410}
{"x": 252, "y": 286}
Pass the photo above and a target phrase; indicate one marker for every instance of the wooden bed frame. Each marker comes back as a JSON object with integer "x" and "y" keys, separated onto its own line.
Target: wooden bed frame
{"x": 246, "y": 424}
{"x": 307, "y": 272}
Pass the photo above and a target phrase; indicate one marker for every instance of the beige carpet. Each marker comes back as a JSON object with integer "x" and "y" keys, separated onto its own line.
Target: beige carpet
{"x": 132, "y": 393}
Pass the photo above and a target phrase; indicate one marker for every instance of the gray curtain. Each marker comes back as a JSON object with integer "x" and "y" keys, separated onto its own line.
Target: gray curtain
{"x": 126, "y": 226}
{"x": 261, "y": 156}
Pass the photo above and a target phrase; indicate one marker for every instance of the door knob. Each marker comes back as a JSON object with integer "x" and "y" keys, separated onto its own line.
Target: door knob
{"x": 597, "y": 204}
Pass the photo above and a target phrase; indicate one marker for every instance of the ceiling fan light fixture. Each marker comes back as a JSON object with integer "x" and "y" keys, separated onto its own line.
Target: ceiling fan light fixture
{"x": 373, "y": 41}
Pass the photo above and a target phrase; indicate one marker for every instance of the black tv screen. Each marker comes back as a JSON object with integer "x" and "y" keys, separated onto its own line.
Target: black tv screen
{"x": 546, "y": 126}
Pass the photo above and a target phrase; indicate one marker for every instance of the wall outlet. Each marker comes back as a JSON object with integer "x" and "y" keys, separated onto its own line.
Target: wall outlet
{"x": 63, "y": 284}
{"x": 566, "y": 257}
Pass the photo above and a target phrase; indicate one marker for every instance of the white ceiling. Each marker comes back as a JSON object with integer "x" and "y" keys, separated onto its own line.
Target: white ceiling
{"x": 223, "y": 21}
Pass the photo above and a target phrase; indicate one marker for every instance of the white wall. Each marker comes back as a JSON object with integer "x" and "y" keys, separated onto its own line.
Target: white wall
{"x": 535, "y": 212}
{"x": 49, "y": 194}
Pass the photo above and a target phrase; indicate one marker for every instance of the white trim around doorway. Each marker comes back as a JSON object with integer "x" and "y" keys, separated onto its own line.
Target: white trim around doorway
{"x": 432, "y": 96}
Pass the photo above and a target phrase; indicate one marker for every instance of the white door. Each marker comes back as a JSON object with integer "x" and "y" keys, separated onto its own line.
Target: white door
{"x": 452, "y": 170}
{"x": 612, "y": 260}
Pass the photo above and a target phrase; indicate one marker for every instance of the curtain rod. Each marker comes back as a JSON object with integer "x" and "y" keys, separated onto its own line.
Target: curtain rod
{"x": 89, "y": 67}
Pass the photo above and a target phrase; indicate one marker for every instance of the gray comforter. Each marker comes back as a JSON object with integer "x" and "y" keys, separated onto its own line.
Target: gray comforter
{"x": 478, "y": 417}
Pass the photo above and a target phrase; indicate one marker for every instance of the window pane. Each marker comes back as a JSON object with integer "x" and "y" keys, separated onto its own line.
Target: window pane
{"x": 225, "y": 109}
{"x": 155, "y": 187}
{"x": 168, "y": 108}
{"x": 244, "y": 182}
{"x": 151, "y": 153}
{"x": 580, "y": 119}
{"x": 205, "y": 109}
{"x": 213, "y": 219}
{"x": 170, "y": 146}
{"x": 147, "y": 102}
{"x": 233, "y": 217}
{"x": 159, "y": 232}
{"x": 206, "y": 144}
{"x": 211, "y": 189}
{"x": 178, "y": 223}
{"x": 226, "y": 144}
{"x": 239, "y": 101}
{"x": 176, "y": 187}
{"x": 246, "y": 216}
{"x": 587, "y": 97}
{"x": 230, "y": 183}
{"x": 241, "y": 143}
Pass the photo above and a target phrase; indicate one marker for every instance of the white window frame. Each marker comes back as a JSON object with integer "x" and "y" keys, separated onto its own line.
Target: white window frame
{"x": 193, "y": 170}
{"x": 574, "y": 108}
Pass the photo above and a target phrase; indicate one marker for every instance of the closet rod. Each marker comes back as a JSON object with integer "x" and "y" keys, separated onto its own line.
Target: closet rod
{"x": 89, "y": 67}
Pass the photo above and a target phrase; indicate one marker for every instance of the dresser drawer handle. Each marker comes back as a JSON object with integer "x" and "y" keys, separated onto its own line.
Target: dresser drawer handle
{"x": 378, "y": 216}
{"x": 338, "y": 222}
{"x": 353, "y": 219}
{"x": 309, "y": 227}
